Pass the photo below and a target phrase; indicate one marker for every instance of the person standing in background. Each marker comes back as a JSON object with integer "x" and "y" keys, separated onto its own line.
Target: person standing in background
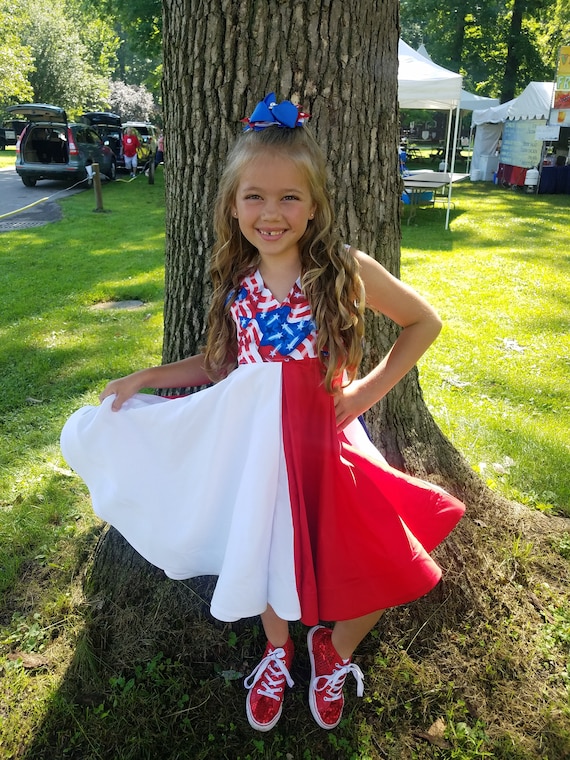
{"x": 130, "y": 146}
{"x": 159, "y": 155}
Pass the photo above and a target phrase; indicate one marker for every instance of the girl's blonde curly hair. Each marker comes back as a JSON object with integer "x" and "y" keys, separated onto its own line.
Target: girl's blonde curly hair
{"x": 329, "y": 272}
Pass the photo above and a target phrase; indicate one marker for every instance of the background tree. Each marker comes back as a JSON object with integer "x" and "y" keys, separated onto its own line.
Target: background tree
{"x": 349, "y": 84}
{"x": 554, "y": 30}
{"x": 522, "y": 48}
{"x": 132, "y": 102}
{"x": 498, "y": 46}
{"x": 72, "y": 56}
{"x": 69, "y": 53}
{"x": 140, "y": 21}
{"x": 138, "y": 25}
{"x": 16, "y": 61}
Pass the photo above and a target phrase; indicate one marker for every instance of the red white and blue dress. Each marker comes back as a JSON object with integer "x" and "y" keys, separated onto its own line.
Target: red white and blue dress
{"x": 249, "y": 480}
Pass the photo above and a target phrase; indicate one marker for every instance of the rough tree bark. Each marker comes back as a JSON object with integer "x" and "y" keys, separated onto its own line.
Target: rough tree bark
{"x": 339, "y": 60}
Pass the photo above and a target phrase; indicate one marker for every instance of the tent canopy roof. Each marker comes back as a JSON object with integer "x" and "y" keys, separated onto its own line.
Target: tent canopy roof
{"x": 424, "y": 84}
{"x": 533, "y": 103}
{"x": 471, "y": 102}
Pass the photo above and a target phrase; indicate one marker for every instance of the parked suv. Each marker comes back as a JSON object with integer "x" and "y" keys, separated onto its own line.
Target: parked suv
{"x": 148, "y": 138}
{"x": 10, "y": 131}
{"x": 52, "y": 148}
{"x": 108, "y": 127}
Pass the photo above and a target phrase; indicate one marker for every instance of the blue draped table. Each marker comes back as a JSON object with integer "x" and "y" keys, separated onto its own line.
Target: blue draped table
{"x": 554, "y": 179}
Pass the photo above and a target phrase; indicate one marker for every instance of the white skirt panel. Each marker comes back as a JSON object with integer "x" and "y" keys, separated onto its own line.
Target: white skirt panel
{"x": 198, "y": 486}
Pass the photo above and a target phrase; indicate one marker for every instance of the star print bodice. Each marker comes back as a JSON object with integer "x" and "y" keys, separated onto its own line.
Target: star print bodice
{"x": 269, "y": 330}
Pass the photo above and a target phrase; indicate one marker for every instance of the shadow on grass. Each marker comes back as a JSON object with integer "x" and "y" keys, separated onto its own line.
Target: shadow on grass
{"x": 155, "y": 677}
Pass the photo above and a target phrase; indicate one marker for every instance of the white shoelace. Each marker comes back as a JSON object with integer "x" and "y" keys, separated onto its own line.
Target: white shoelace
{"x": 333, "y": 684}
{"x": 272, "y": 683}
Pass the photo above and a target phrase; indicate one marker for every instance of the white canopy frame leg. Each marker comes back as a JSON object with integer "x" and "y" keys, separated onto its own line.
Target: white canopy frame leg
{"x": 447, "y": 140}
{"x": 470, "y": 151}
{"x": 452, "y": 168}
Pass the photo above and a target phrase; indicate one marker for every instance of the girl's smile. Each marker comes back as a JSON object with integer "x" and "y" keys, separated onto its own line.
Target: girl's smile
{"x": 273, "y": 205}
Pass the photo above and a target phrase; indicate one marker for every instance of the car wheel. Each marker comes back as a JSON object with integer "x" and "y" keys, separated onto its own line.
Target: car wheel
{"x": 2, "y": 145}
{"x": 113, "y": 171}
{"x": 29, "y": 181}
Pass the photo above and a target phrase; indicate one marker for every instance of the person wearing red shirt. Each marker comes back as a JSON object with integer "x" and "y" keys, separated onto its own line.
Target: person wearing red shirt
{"x": 130, "y": 146}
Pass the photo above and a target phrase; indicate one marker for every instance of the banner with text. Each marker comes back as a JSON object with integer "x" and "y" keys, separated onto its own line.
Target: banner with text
{"x": 560, "y": 113}
{"x": 519, "y": 145}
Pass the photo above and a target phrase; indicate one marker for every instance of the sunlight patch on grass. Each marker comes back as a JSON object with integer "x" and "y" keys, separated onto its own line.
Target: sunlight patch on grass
{"x": 497, "y": 379}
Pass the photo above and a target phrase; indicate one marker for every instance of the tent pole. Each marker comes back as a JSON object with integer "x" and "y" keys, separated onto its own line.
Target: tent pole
{"x": 455, "y": 136}
{"x": 449, "y": 117}
{"x": 470, "y": 151}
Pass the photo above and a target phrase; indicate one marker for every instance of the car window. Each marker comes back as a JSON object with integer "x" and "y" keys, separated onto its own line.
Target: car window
{"x": 80, "y": 135}
{"x": 92, "y": 137}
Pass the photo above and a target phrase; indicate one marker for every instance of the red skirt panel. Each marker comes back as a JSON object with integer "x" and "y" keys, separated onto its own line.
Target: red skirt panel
{"x": 362, "y": 530}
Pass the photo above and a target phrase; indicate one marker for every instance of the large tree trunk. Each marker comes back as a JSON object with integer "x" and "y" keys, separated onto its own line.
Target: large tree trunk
{"x": 339, "y": 60}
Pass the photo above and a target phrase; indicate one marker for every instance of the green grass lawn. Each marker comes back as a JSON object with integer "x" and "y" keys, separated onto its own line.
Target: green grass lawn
{"x": 8, "y": 157}
{"x": 496, "y": 381}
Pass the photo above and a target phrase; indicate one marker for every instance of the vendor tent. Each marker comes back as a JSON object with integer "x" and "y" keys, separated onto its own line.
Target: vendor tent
{"x": 533, "y": 103}
{"x": 423, "y": 84}
{"x": 471, "y": 102}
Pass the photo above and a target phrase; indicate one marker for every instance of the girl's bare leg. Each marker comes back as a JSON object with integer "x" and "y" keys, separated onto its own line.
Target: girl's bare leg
{"x": 347, "y": 634}
{"x": 276, "y": 629}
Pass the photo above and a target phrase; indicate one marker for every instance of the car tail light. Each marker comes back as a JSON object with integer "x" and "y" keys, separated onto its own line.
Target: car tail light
{"x": 71, "y": 144}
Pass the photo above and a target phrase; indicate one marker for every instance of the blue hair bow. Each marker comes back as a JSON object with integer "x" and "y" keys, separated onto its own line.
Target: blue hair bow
{"x": 269, "y": 113}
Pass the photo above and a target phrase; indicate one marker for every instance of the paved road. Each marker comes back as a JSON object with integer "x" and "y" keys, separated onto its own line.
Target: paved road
{"x": 15, "y": 195}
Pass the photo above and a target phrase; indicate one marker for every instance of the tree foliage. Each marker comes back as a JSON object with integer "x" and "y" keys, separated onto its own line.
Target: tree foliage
{"x": 69, "y": 53}
{"x": 139, "y": 27}
{"x": 16, "y": 62}
{"x": 72, "y": 75}
{"x": 132, "y": 102}
{"x": 140, "y": 20}
{"x": 499, "y": 46}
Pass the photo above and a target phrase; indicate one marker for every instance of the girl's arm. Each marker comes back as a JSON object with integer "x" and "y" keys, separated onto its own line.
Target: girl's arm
{"x": 421, "y": 326}
{"x": 182, "y": 374}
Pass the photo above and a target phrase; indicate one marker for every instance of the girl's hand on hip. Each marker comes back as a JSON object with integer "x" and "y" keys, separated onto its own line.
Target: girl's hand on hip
{"x": 350, "y": 403}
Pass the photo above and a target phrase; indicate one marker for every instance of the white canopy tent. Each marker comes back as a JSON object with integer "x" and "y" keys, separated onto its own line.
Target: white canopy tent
{"x": 472, "y": 102}
{"x": 441, "y": 83}
{"x": 422, "y": 84}
{"x": 533, "y": 103}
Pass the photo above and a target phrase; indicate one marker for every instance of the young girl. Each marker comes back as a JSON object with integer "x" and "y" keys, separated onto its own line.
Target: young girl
{"x": 267, "y": 478}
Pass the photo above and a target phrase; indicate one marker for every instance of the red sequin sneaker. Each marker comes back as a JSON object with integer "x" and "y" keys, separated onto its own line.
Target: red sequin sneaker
{"x": 266, "y": 685}
{"x": 328, "y": 674}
